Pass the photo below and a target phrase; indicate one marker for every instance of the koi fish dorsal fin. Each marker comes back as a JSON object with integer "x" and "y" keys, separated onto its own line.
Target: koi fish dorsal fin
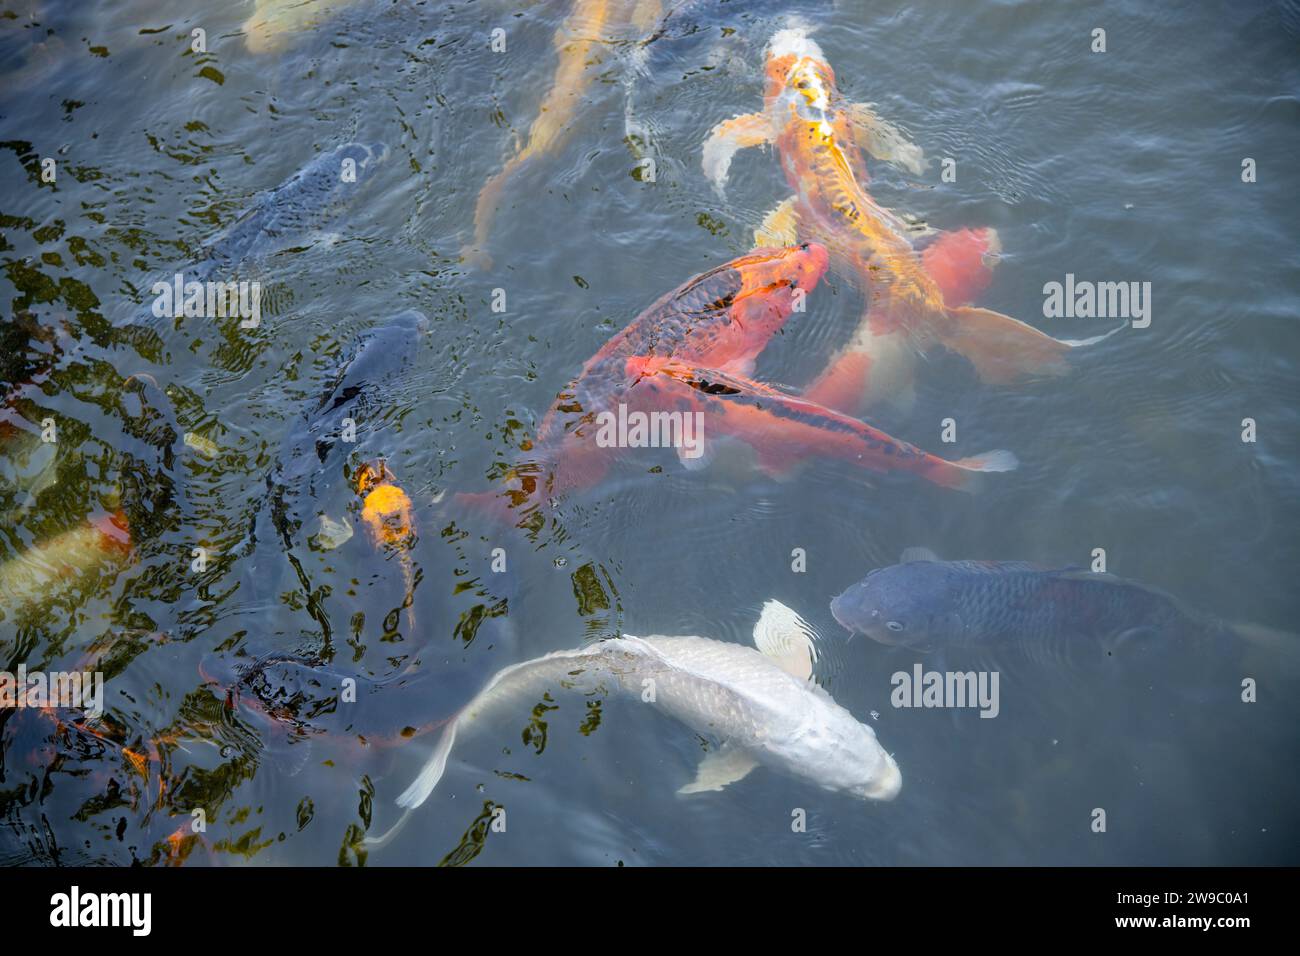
{"x": 748, "y": 129}
{"x": 883, "y": 140}
{"x": 720, "y": 767}
{"x": 787, "y": 639}
{"x": 917, "y": 554}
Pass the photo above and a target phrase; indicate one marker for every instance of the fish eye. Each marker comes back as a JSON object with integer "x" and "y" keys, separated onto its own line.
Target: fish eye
{"x": 894, "y": 625}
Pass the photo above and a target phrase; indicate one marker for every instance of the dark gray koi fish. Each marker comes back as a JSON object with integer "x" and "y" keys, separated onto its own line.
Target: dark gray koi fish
{"x": 380, "y": 359}
{"x": 311, "y": 199}
{"x": 936, "y": 605}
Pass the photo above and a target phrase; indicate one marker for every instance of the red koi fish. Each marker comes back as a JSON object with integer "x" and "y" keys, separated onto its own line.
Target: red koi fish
{"x": 693, "y": 350}
{"x": 916, "y": 301}
{"x": 782, "y": 428}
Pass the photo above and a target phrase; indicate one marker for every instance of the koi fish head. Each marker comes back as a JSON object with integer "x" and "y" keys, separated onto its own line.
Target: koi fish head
{"x": 906, "y": 605}
{"x": 798, "y": 74}
{"x": 774, "y": 282}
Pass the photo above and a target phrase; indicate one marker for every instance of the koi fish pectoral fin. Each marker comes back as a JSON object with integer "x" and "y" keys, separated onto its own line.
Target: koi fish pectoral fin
{"x": 1134, "y": 640}
{"x": 739, "y": 132}
{"x": 780, "y": 226}
{"x": 883, "y": 140}
{"x": 787, "y": 639}
{"x": 870, "y": 370}
{"x": 720, "y": 768}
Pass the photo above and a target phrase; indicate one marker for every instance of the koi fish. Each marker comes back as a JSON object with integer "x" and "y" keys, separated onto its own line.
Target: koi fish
{"x": 312, "y": 199}
{"x": 782, "y": 427}
{"x": 916, "y": 301}
{"x": 45, "y": 571}
{"x": 758, "y": 703}
{"x": 578, "y": 43}
{"x": 381, "y": 357}
{"x": 927, "y": 604}
{"x": 692, "y": 351}
{"x": 389, "y": 519}
{"x": 723, "y": 318}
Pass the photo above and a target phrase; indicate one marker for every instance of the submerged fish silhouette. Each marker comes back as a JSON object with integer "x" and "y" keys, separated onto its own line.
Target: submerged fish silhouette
{"x": 311, "y": 199}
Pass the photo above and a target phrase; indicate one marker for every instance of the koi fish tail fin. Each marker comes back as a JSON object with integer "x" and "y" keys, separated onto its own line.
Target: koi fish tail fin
{"x": 386, "y": 837}
{"x": 1093, "y": 339}
{"x": 1002, "y": 349}
{"x": 490, "y": 197}
{"x": 1269, "y": 639}
{"x": 423, "y": 785}
{"x": 970, "y": 474}
{"x": 516, "y": 682}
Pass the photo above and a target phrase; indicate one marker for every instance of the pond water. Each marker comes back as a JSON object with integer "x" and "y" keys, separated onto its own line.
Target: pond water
{"x": 228, "y": 629}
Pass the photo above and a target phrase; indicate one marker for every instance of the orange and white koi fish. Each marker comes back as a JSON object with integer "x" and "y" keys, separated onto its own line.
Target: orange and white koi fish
{"x": 578, "y": 42}
{"x": 916, "y": 301}
{"x": 389, "y": 518}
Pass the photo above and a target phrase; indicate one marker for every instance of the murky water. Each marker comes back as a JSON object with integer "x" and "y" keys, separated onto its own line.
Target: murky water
{"x": 224, "y": 669}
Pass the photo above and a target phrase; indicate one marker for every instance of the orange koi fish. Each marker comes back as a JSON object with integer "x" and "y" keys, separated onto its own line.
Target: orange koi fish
{"x": 916, "y": 301}
{"x": 578, "y": 42}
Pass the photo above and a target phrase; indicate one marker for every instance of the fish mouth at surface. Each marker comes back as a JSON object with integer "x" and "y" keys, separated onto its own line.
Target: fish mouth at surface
{"x": 887, "y": 784}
